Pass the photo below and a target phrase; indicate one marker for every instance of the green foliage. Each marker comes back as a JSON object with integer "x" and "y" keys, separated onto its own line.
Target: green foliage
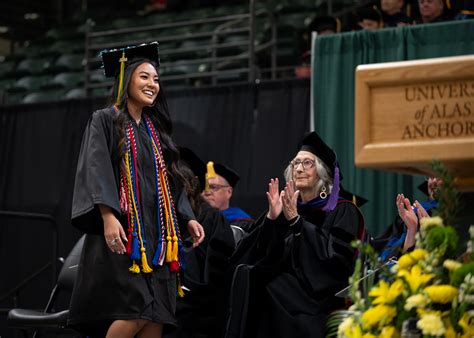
{"x": 442, "y": 238}
{"x": 447, "y": 195}
{"x": 459, "y": 275}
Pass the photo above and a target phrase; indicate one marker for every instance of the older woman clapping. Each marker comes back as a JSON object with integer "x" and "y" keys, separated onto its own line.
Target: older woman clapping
{"x": 304, "y": 243}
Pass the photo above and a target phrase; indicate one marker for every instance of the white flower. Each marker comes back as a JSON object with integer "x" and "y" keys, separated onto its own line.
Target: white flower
{"x": 451, "y": 265}
{"x": 431, "y": 324}
{"x": 428, "y": 222}
{"x": 416, "y": 301}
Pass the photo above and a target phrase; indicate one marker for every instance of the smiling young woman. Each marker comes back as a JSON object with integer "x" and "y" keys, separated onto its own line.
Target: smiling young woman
{"x": 129, "y": 199}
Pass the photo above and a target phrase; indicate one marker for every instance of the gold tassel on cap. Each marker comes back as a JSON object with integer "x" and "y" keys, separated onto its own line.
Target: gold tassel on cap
{"x": 122, "y": 61}
{"x": 211, "y": 173}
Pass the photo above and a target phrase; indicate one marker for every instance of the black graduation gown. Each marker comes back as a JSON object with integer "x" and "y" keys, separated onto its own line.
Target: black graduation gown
{"x": 105, "y": 290}
{"x": 202, "y": 310}
{"x": 286, "y": 286}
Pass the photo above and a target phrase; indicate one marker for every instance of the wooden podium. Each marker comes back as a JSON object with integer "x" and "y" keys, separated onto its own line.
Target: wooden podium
{"x": 410, "y": 112}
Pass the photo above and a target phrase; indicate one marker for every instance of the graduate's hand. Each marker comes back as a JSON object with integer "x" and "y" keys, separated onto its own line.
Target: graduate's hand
{"x": 289, "y": 198}
{"x": 196, "y": 231}
{"x": 113, "y": 231}
{"x": 274, "y": 200}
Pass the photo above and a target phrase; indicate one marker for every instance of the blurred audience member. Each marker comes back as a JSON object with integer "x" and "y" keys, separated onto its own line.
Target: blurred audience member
{"x": 393, "y": 14}
{"x": 369, "y": 18}
{"x": 324, "y": 25}
{"x": 431, "y": 11}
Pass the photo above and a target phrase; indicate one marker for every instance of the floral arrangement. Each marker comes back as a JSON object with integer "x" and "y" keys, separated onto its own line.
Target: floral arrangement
{"x": 427, "y": 287}
{"x": 429, "y": 292}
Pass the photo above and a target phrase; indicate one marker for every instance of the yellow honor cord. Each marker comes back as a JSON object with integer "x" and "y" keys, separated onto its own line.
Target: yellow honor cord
{"x": 122, "y": 61}
{"x": 145, "y": 267}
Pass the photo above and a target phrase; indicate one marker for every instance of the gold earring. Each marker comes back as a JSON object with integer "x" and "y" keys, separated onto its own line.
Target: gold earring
{"x": 323, "y": 193}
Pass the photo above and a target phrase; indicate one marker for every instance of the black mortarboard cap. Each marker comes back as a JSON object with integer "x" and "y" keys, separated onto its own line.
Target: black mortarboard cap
{"x": 314, "y": 144}
{"x": 423, "y": 187}
{"x": 111, "y": 58}
{"x": 230, "y": 175}
{"x": 323, "y": 23}
{"x": 347, "y": 195}
{"x": 197, "y": 166}
{"x": 370, "y": 13}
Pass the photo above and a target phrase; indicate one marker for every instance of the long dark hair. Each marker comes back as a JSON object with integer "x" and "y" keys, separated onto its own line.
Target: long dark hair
{"x": 158, "y": 113}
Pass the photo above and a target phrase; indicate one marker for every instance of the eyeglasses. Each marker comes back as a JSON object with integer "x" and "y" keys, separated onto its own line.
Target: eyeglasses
{"x": 307, "y": 164}
{"x": 217, "y": 187}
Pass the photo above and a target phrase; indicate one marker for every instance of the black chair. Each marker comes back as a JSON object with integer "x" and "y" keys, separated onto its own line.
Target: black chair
{"x": 28, "y": 320}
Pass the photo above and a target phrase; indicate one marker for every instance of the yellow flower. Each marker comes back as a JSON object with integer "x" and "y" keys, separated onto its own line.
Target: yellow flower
{"x": 380, "y": 314}
{"x": 385, "y": 293}
{"x": 388, "y": 332}
{"x": 450, "y": 332}
{"x": 428, "y": 222}
{"x": 410, "y": 259}
{"x": 415, "y": 278}
{"x": 368, "y": 335}
{"x": 467, "y": 324}
{"x": 431, "y": 324}
{"x": 416, "y": 301}
{"x": 441, "y": 293}
{"x": 349, "y": 329}
{"x": 451, "y": 265}
{"x": 355, "y": 332}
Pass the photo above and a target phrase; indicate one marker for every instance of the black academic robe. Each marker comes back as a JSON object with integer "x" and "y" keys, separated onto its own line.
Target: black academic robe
{"x": 201, "y": 312}
{"x": 286, "y": 276}
{"x": 105, "y": 289}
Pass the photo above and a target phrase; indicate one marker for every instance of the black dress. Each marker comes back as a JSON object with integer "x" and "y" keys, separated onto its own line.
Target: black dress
{"x": 105, "y": 289}
{"x": 286, "y": 277}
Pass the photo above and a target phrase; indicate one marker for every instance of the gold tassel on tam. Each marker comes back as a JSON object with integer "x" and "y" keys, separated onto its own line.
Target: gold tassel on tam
{"x": 211, "y": 173}
{"x": 122, "y": 60}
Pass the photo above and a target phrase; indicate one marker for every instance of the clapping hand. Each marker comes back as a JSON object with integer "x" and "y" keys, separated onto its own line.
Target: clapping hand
{"x": 274, "y": 199}
{"x": 289, "y": 198}
{"x": 406, "y": 213}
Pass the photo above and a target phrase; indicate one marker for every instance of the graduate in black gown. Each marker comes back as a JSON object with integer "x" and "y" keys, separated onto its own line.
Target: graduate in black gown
{"x": 128, "y": 198}
{"x": 399, "y": 236}
{"x": 299, "y": 255}
{"x": 221, "y": 181}
{"x": 201, "y": 312}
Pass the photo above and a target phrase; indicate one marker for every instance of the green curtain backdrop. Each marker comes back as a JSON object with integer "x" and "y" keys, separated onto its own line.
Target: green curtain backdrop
{"x": 335, "y": 58}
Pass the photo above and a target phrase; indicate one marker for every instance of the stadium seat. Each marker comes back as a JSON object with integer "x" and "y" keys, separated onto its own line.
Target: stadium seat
{"x": 33, "y": 65}
{"x": 66, "y": 80}
{"x": 30, "y": 83}
{"x": 76, "y": 93}
{"x": 69, "y": 62}
{"x": 72, "y": 46}
{"x": 50, "y": 95}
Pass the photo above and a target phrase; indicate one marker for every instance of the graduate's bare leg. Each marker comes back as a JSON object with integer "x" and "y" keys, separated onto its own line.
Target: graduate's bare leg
{"x": 151, "y": 330}
{"x": 126, "y": 328}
